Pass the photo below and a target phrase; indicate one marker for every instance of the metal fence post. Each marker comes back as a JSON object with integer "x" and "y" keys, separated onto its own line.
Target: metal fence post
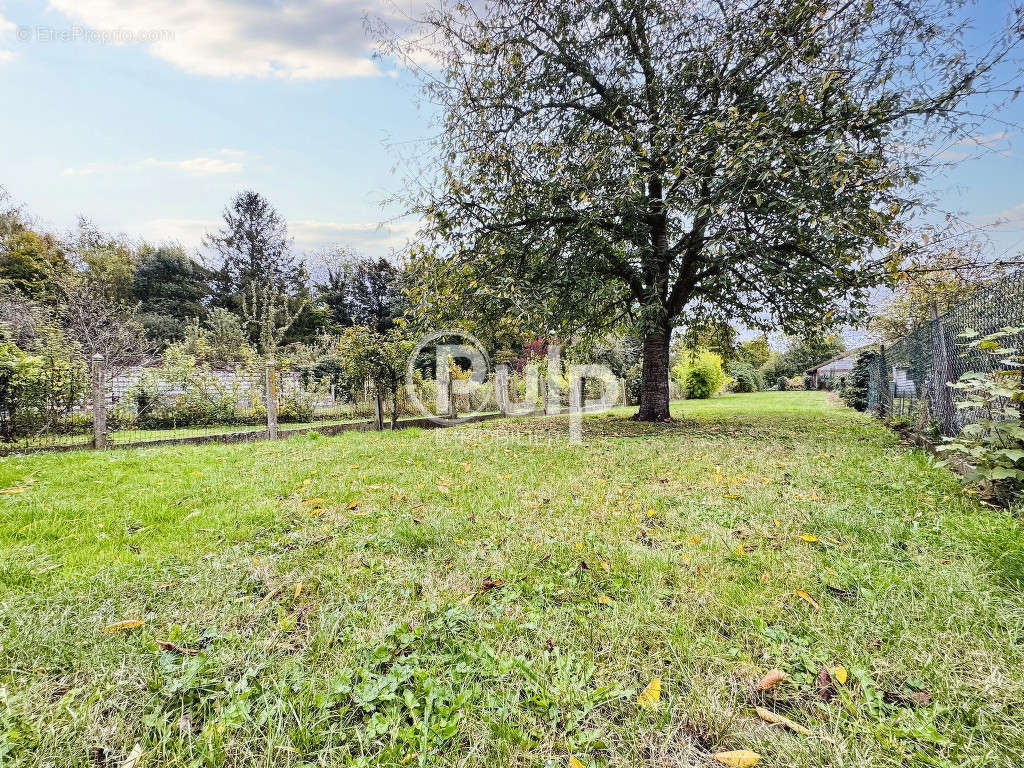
{"x": 271, "y": 400}
{"x": 99, "y": 402}
{"x": 884, "y": 395}
{"x": 378, "y": 410}
{"x": 941, "y": 375}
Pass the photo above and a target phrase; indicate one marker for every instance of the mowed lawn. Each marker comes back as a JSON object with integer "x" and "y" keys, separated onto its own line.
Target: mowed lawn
{"x": 492, "y": 596}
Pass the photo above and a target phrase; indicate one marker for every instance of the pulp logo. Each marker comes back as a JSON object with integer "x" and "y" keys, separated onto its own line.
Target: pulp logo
{"x": 462, "y": 370}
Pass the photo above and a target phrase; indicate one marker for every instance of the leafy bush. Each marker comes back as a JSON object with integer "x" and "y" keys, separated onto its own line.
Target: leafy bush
{"x": 855, "y": 393}
{"x": 40, "y": 387}
{"x": 994, "y": 442}
{"x": 782, "y": 384}
{"x": 747, "y": 377}
{"x": 705, "y": 377}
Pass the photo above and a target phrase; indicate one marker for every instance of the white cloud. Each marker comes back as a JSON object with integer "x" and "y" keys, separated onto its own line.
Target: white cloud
{"x": 6, "y": 30}
{"x": 369, "y": 238}
{"x": 1009, "y": 216}
{"x": 297, "y": 39}
{"x": 197, "y": 166}
{"x": 359, "y": 235}
{"x": 225, "y": 161}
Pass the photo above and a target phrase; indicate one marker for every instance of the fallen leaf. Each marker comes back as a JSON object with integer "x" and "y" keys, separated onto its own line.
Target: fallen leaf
{"x": 694, "y": 540}
{"x": 134, "y": 759}
{"x": 353, "y": 504}
{"x": 13, "y": 490}
{"x": 298, "y": 590}
{"x": 825, "y": 687}
{"x": 809, "y": 537}
{"x": 770, "y": 680}
{"x": 490, "y": 583}
{"x": 574, "y": 763}
{"x": 803, "y": 595}
{"x": 839, "y": 673}
{"x": 604, "y": 600}
{"x": 734, "y": 495}
{"x": 650, "y": 695}
{"x": 314, "y": 502}
{"x": 775, "y": 719}
{"x": 123, "y": 625}
{"x": 270, "y": 596}
{"x": 168, "y": 646}
{"x": 914, "y": 699}
{"x": 604, "y": 565}
{"x": 737, "y": 758}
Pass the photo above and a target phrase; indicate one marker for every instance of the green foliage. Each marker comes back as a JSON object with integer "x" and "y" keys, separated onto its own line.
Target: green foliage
{"x": 170, "y": 288}
{"x": 701, "y": 374}
{"x": 382, "y": 358}
{"x": 31, "y": 262}
{"x": 219, "y": 340}
{"x": 747, "y": 377}
{"x": 755, "y": 352}
{"x": 855, "y": 393}
{"x": 39, "y": 387}
{"x": 993, "y": 441}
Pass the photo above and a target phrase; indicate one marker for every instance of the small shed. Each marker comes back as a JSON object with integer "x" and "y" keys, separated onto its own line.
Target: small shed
{"x": 835, "y": 368}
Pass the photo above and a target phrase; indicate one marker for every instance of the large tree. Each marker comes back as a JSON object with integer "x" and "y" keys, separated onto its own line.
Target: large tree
{"x": 259, "y": 275}
{"x": 363, "y": 291}
{"x": 170, "y": 288}
{"x": 671, "y": 161}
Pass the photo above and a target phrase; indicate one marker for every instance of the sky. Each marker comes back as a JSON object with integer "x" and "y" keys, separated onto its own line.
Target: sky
{"x": 146, "y": 116}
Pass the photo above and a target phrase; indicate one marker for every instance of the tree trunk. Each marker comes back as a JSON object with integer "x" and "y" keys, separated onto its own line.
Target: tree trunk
{"x": 654, "y": 378}
{"x": 394, "y": 408}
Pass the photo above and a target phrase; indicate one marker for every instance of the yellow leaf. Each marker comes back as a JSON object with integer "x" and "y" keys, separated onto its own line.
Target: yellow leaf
{"x": 775, "y": 719}
{"x": 353, "y": 504}
{"x": 122, "y": 625}
{"x": 738, "y": 758}
{"x": 734, "y": 495}
{"x": 694, "y": 540}
{"x": 467, "y": 466}
{"x": 574, "y": 763}
{"x": 604, "y": 600}
{"x": 134, "y": 759}
{"x": 604, "y": 565}
{"x": 839, "y": 673}
{"x": 803, "y": 595}
{"x": 809, "y": 537}
{"x": 740, "y": 550}
{"x": 443, "y": 488}
{"x": 315, "y": 502}
{"x": 651, "y": 694}
{"x": 15, "y": 489}
{"x": 298, "y": 589}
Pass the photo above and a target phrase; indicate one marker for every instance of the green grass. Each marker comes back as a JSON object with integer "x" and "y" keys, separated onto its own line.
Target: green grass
{"x": 392, "y": 653}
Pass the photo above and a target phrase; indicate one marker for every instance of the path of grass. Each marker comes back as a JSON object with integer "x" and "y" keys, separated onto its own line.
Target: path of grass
{"x": 334, "y": 590}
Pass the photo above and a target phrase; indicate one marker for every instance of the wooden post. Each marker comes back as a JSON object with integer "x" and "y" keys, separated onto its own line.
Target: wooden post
{"x": 99, "y": 402}
{"x": 501, "y": 394}
{"x": 271, "y": 400}
{"x": 378, "y": 410}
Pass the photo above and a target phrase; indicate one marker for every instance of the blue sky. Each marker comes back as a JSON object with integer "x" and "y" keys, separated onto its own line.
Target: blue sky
{"x": 152, "y": 136}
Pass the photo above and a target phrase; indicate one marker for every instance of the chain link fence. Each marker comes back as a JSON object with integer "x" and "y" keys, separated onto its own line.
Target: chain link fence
{"x": 909, "y": 379}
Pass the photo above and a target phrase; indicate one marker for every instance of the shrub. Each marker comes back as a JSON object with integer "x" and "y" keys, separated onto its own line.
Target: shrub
{"x": 782, "y": 384}
{"x": 855, "y": 391}
{"x": 705, "y": 377}
{"x": 994, "y": 442}
{"x": 747, "y": 377}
